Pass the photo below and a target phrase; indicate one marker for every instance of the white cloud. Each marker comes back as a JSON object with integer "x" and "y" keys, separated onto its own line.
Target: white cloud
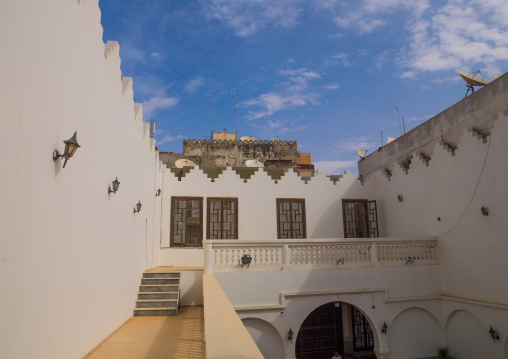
{"x": 332, "y": 87}
{"x": 157, "y": 102}
{"x": 247, "y": 17}
{"x": 460, "y": 35}
{"x": 295, "y": 92}
{"x": 342, "y": 58}
{"x": 195, "y": 84}
{"x": 168, "y": 138}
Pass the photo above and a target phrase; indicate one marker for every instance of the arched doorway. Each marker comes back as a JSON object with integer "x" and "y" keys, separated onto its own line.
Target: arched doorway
{"x": 335, "y": 326}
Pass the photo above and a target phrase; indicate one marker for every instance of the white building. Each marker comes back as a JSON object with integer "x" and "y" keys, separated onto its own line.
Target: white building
{"x": 71, "y": 254}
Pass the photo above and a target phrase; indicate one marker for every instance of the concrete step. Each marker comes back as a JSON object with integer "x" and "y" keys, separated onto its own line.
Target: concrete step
{"x": 158, "y": 288}
{"x": 152, "y": 312}
{"x": 157, "y": 303}
{"x": 157, "y": 295}
{"x": 155, "y": 281}
{"x": 161, "y": 275}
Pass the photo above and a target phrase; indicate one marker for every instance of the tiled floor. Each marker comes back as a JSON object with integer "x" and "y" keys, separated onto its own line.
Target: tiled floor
{"x": 176, "y": 337}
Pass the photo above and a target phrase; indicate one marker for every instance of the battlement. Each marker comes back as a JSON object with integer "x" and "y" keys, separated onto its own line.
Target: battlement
{"x": 230, "y": 142}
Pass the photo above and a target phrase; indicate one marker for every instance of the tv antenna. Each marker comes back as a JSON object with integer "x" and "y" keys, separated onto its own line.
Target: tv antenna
{"x": 234, "y": 114}
{"x": 472, "y": 80}
{"x": 212, "y": 110}
{"x": 396, "y": 108}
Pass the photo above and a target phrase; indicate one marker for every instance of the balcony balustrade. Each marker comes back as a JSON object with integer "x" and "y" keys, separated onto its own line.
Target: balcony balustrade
{"x": 225, "y": 255}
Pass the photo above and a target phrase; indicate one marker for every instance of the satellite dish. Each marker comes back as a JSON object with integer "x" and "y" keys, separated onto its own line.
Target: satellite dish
{"x": 274, "y": 139}
{"x": 495, "y": 76}
{"x": 360, "y": 153}
{"x": 254, "y": 163}
{"x": 390, "y": 139}
{"x": 247, "y": 138}
{"x": 181, "y": 163}
{"x": 472, "y": 79}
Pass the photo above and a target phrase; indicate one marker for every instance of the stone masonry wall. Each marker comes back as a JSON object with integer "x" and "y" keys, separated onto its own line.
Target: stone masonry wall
{"x": 220, "y": 153}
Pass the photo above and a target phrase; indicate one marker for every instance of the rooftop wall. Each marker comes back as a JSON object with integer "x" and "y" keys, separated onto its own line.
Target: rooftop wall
{"x": 444, "y": 190}
{"x": 235, "y": 153}
{"x": 71, "y": 255}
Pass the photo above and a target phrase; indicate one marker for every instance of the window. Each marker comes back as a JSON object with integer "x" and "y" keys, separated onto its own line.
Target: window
{"x": 222, "y": 219}
{"x": 359, "y": 218}
{"x": 362, "y": 334}
{"x": 186, "y": 222}
{"x": 291, "y": 218}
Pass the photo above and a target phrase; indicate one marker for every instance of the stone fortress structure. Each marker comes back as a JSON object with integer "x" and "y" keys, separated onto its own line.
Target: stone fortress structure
{"x": 408, "y": 258}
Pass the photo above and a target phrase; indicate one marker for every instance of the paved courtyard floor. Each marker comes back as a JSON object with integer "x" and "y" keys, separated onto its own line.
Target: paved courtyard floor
{"x": 175, "y": 337}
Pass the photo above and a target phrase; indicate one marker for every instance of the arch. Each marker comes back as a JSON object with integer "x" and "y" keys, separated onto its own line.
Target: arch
{"x": 329, "y": 327}
{"x": 414, "y": 333}
{"x": 266, "y": 337}
{"x": 467, "y": 337}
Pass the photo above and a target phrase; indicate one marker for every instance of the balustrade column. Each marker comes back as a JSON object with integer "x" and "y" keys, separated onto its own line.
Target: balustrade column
{"x": 208, "y": 258}
{"x": 285, "y": 255}
{"x": 373, "y": 253}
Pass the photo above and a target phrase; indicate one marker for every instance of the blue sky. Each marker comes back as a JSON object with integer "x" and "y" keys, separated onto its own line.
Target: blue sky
{"x": 329, "y": 74}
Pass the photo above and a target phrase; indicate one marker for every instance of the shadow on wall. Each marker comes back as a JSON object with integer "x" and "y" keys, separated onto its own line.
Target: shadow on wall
{"x": 414, "y": 333}
{"x": 467, "y": 337}
{"x": 266, "y": 337}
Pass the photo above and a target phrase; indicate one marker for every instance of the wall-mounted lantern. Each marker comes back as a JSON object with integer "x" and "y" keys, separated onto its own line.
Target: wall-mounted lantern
{"x": 116, "y": 184}
{"x": 384, "y": 329}
{"x": 158, "y": 193}
{"x": 410, "y": 260}
{"x": 290, "y": 335}
{"x": 400, "y": 198}
{"x": 71, "y": 145}
{"x": 246, "y": 260}
{"x": 485, "y": 211}
{"x": 493, "y": 334}
{"x": 138, "y": 207}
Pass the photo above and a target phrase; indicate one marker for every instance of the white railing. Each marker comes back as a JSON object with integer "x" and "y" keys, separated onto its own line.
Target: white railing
{"x": 226, "y": 255}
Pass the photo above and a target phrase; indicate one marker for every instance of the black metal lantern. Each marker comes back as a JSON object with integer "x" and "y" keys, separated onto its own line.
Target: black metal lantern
{"x": 384, "y": 329}
{"x": 158, "y": 192}
{"x": 246, "y": 260}
{"x": 116, "y": 184}
{"x": 138, "y": 207}
{"x": 493, "y": 334}
{"x": 485, "y": 211}
{"x": 290, "y": 335}
{"x": 71, "y": 145}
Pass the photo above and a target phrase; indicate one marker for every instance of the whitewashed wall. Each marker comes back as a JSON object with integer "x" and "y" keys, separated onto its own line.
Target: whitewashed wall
{"x": 71, "y": 255}
{"x": 257, "y": 217}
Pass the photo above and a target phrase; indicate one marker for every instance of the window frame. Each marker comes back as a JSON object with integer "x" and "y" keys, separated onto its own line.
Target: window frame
{"x": 304, "y": 217}
{"x": 171, "y": 234}
{"x": 222, "y": 199}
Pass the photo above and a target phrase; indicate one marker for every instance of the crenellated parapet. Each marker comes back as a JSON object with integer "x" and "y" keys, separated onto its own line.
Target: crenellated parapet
{"x": 211, "y": 153}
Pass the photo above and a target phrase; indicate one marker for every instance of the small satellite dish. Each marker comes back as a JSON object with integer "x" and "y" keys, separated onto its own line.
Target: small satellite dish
{"x": 495, "y": 76}
{"x": 390, "y": 139}
{"x": 254, "y": 163}
{"x": 247, "y": 138}
{"x": 360, "y": 153}
{"x": 181, "y": 163}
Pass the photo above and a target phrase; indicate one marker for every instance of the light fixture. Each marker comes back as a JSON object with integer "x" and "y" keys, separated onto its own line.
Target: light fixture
{"x": 116, "y": 184}
{"x": 384, "y": 328}
{"x": 138, "y": 207}
{"x": 158, "y": 192}
{"x": 71, "y": 145}
{"x": 246, "y": 260}
{"x": 340, "y": 261}
{"x": 493, "y": 334}
{"x": 410, "y": 260}
{"x": 290, "y": 335}
{"x": 400, "y": 198}
{"x": 485, "y": 211}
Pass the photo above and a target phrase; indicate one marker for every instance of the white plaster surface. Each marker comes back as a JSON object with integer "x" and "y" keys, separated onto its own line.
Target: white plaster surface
{"x": 71, "y": 256}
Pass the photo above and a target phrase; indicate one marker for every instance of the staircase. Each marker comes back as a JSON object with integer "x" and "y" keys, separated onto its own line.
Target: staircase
{"x": 159, "y": 294}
